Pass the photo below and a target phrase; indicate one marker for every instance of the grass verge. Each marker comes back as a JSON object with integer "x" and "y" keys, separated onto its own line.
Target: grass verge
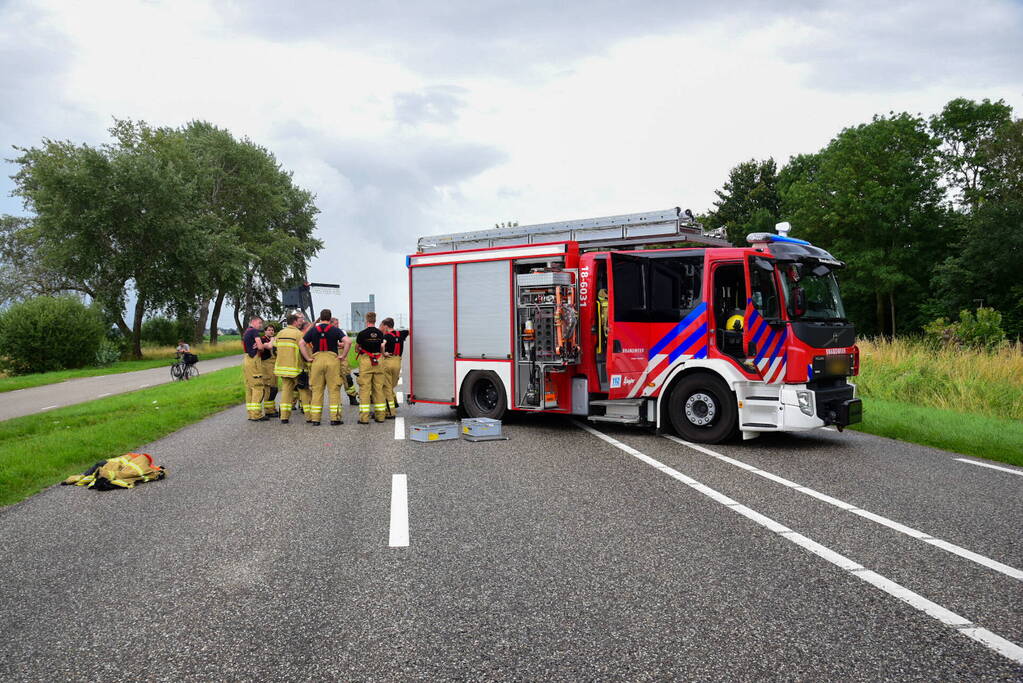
{"x": 982, "y": 436}
{"x": 37, "y": 451}
{"x": 155, "y": 357}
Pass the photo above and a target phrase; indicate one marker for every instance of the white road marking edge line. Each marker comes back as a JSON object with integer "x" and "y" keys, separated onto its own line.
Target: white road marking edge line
{"x": 399, "y": 428}
{"x": 992, "y": 467}
{"x": 399, "y": 512}
{"x": 987, "y": 638}
{"x": 866, "y": 514}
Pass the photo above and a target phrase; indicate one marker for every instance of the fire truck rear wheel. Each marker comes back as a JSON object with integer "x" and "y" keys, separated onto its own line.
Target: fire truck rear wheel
{"x": 483, "y": 395}
{"x": 702, "y": 409}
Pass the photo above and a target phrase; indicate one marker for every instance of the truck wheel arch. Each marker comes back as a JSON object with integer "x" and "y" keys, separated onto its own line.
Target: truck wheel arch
{"x": 714, "y": 368}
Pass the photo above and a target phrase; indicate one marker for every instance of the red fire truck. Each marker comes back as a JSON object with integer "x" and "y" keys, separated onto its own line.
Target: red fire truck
{"x": 610, "y": 319}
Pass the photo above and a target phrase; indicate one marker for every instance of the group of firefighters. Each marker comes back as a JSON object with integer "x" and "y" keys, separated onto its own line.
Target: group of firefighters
{"x": 308, "y": 359}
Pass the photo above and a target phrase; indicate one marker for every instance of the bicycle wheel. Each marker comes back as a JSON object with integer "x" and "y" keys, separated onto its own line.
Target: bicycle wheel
{"x": 192, "y": 371}
{"x": 175, "y": 370}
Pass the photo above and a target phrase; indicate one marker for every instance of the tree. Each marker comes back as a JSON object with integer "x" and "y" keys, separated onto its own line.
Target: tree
{"x": 965, "y": 127}
{"x": 872, "y": 197}
{"x": 983, "y": 265}
{"x": 112, "y": 218}
{"x": 263, "y": 225}
{"x": 748, "y": 201}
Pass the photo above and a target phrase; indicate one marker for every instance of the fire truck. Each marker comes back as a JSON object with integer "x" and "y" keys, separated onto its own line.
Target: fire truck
{"x": 638, "y": 319}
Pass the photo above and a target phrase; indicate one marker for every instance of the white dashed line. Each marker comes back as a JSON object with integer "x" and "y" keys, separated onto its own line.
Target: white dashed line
{"x": 143, "y": 386}
{"x": 399, "y": 512}
{"x": 884, "y": 521}
{"x": 399, "y": 397}
{"x": 103, "y": 395}
{"x": 400, "y": 380}
{"x": 399, "y": 428}
{"x": 983, "y": 636}
{"x": 993, "y": 467}
{"x": 49, "y": 408}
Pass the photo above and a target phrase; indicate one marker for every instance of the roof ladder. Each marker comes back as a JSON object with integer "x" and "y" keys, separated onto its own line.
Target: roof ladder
{"x": 669, "y": 225}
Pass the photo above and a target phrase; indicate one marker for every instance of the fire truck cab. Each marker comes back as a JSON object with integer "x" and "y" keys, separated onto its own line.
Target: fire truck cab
{"x": 612, "y": 320}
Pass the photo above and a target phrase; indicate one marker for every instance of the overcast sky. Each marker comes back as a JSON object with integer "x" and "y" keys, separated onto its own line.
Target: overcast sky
{"x": 408, "y": 118}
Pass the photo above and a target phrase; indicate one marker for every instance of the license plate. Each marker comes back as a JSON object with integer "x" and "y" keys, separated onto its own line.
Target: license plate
{"x": 837, "y": 365}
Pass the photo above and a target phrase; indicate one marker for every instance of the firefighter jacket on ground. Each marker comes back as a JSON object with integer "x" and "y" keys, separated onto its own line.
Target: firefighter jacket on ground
{"x": 119, "y": 473}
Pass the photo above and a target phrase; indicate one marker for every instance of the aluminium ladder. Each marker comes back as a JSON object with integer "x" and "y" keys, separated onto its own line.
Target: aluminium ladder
{"x": 672, "y": 225}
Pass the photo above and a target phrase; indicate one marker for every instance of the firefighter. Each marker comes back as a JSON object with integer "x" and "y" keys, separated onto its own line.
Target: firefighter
{"x": 394, "y": 343}
{"x": 305, "y": 393}
{"x": 252, "y": 366}
{"x": 371, "y": 372}
{"x": 326, "y": 343}
{"x": 346, "y": 371}
{"x": 288, "y": 365}
{"x": 268, "y": 358}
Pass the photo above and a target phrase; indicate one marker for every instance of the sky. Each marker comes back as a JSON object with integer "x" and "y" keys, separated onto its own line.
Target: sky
{"x": 408, "y": 119}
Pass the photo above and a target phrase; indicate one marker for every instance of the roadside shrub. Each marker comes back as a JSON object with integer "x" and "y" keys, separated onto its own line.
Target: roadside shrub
{"x": 981, "y": 330}
{"x": 162, "y": 331}
{"x": 108, "y": 353}
{"x": 49, "y": 333}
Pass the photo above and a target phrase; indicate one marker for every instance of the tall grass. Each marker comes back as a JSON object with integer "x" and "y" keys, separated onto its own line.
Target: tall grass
{"x": 964, "y": 381}
{"x": 205, "y": 349}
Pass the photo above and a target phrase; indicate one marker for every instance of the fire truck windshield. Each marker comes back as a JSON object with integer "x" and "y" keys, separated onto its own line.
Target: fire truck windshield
{"x": 811, "y": 293}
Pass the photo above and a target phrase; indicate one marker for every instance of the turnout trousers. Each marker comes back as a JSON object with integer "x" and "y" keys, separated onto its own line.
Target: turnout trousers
{"x": 371, "y": 390}
{"x": 325, "y": 374}
{"x": 256, "y": 389}
{"x": 287, "y": 396}
{"x": 392, "y": 368}
{"x": 269, "y": 401}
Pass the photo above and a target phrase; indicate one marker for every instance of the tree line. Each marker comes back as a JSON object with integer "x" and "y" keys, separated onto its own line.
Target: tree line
{"x": 185, "y": 220}
{"x": 927, "y": 213}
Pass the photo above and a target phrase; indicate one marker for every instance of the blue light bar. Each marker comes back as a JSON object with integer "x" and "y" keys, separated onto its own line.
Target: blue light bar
{"x": 755, "y": 237}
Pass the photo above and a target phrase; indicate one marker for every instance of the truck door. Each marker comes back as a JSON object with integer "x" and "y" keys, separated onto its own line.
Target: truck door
{"x": 764, "y": 332}
{"x": 658, "y": 318}
{"x": 627, "y": 329}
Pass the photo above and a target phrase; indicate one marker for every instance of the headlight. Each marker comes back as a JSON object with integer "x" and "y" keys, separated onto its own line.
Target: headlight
{"x": 805, "y": 399}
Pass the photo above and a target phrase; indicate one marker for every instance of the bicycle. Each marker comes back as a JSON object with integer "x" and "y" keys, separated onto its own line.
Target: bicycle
{"x": 183, "y": 368}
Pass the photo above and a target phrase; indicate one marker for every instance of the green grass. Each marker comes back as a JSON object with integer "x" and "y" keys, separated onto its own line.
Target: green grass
{"x": 42, "y": 378}
{"x": 37, "y": 451}
{"x": 982, "y": 436}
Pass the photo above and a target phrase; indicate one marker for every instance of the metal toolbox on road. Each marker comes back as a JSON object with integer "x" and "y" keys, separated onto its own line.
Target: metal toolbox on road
{"x": 481, "y": 426}
{"x": 434, "y": 431}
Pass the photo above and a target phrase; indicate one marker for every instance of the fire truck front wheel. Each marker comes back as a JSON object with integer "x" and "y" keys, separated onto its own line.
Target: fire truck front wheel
{"x": 702, "y": 409}
{"x": 483, "y": 395}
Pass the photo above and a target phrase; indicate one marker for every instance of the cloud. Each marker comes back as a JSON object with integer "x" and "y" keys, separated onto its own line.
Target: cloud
{"x": 384, "y": 190}
{"x": 492, "y": 37}
{"x": 434, "y": 104}
{"x": 881, "y": 46}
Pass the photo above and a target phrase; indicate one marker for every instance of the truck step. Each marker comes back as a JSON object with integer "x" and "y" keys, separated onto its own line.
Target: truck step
{"x": 619, "y": 402}
{"x": 625, "y": 420}
{"x": 759, "y": 425}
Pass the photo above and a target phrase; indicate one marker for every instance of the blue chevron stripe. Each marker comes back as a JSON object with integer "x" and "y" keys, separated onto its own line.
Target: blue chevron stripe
{"x": 677, "y": 330}
{"x": 759, "y": 332}
{"x": 691, "y": 340}
{"x": 701, "y": 353}
{"x": 753, "y": 318}
{"x": 777, "y": 347}
{"x": 767, "y": 345}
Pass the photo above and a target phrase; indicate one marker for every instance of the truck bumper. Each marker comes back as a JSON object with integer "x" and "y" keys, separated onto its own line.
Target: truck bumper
{"x": 801, "y": 408}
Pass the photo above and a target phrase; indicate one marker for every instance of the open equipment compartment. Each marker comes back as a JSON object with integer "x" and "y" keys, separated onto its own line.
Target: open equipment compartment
{"x": 547, "y": 335}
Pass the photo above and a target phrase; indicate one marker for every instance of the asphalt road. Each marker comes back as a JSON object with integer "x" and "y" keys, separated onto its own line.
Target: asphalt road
{"x": 554, "y": 555}
{"x": 49, "y": 396}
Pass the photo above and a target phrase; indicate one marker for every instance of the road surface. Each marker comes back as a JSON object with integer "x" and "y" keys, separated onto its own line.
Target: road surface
{"x": 344, "y": 553}
{"x": 50, "y": 396}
